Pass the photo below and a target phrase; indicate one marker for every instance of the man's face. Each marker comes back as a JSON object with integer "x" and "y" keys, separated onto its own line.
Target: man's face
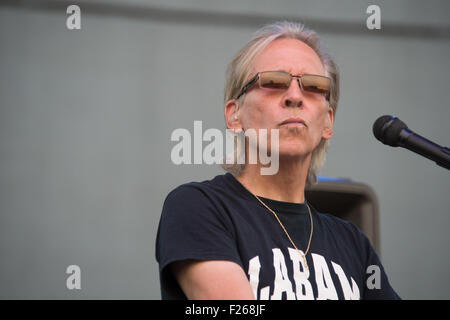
{"x": 268, "y": 108}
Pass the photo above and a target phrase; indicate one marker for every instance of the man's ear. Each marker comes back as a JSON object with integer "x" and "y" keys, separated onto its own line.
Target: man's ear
{"x": 231, "y": 113}
{"x": 329, "y": 120}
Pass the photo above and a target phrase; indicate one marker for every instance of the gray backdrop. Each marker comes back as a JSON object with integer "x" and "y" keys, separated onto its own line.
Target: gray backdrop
{"x": 86, "y": 117}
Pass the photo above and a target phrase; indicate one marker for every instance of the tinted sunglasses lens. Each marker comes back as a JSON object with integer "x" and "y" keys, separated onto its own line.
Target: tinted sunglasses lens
{"x": 274, "y": 80}
{"x": 316, "y": 84}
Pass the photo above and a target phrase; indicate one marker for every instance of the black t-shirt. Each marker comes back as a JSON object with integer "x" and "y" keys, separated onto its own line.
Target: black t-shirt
{"x": 219, "y": 219}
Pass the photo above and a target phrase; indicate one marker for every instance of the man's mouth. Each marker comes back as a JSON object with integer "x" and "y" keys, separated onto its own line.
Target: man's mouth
{"x": 293, "y": 122}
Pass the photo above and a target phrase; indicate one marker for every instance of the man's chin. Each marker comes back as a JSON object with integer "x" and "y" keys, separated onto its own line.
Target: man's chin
{"x": 293, "y": 151}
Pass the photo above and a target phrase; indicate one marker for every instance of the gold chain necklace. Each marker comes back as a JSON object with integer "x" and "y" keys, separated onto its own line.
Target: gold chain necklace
{"x": 287, "y": 234}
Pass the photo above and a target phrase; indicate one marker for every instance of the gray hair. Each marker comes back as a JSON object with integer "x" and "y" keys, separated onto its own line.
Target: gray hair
{"x": 239, "y": 70}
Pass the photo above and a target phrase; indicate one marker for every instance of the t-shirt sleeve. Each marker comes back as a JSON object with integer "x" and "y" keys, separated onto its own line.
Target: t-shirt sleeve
{"x": 194, "y": 226}
{"x": 377, "y": 286}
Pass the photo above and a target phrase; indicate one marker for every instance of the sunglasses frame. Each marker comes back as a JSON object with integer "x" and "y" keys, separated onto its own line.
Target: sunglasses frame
{"x": 255, "y": 78}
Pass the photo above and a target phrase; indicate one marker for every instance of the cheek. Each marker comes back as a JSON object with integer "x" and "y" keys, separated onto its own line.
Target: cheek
{"x": 320, "y": 115}
{"x": 257, "y": 116}
{"x": 318, "y": 125}
{"x": 320, "y": 122}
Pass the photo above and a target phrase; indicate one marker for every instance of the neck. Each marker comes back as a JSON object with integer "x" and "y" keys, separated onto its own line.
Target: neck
{"x": 288, "y": 184}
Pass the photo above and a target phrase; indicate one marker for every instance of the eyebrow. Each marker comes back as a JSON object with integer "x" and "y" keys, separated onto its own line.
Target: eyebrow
{"x": 302, "y": 71}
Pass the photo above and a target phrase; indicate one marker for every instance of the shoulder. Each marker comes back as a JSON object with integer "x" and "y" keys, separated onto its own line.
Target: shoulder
{"x": 198, "y": 188}
{"x": 344, "y": 231}
{"x": 332, "y": 221}
{"x": 196, "y": 193}
{"x": 196, "y": 202}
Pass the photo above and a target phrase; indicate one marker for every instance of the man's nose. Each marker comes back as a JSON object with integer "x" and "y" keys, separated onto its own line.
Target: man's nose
{"x": 293, "y": 97}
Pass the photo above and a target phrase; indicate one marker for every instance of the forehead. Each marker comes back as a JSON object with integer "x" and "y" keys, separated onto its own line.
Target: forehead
{"x": 290, "y": 55}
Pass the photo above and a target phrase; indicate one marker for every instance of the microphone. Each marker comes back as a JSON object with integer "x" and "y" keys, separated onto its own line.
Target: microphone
{"x": 392, "y": 131}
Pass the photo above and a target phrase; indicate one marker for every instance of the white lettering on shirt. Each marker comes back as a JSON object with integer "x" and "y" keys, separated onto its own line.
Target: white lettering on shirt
{"x": 298, "y": 285}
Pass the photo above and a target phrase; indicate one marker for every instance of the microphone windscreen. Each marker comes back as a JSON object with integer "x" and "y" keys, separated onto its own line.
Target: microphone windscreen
{"x": 387, "y": 129}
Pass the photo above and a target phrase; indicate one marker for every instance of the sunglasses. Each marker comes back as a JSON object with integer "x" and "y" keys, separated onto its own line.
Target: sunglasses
{"x": 282, "y": 80}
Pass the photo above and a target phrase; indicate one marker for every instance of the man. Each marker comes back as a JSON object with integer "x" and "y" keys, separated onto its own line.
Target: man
{"x": 247, "y": 235}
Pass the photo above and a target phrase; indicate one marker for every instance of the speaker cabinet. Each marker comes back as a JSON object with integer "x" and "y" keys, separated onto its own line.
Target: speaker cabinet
{"x": 348, "y": 200}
